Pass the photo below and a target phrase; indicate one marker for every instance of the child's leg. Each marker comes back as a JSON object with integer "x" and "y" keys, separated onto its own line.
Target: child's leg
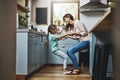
{"x": 63, "y": 56}
{"x": 65, "y": 59}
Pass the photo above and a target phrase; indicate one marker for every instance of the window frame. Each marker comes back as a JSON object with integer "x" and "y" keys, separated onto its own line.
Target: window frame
{"x": 52, "y": 2}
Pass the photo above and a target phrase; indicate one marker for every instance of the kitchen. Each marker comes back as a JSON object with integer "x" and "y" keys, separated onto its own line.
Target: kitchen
{"x": 9, "y": 63}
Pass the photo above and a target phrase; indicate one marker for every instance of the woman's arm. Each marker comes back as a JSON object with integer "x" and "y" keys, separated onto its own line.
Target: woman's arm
{"x": 75, "y": 38}
{"x": 81, "y": 34}
{"x": 63, "y": 36}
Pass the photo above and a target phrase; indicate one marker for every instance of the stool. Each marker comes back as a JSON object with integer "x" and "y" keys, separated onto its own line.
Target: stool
{"x": 101, "y": 55}
{"x": 84, "y": 58}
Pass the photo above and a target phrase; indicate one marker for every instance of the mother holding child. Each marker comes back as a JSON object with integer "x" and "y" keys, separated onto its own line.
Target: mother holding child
{"x": 76, "y": 30}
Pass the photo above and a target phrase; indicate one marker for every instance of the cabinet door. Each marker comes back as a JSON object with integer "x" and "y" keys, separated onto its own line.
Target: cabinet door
{"x": 31, "y": 54}
{"x": 44, "y": 53}
{"x": 38, "y": 49}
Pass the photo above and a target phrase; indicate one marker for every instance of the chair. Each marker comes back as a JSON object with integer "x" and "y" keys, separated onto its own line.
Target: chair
{"x": 84, "y": 59}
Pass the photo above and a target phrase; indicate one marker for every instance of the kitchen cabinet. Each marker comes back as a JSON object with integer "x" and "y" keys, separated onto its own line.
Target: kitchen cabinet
{"x": 31, "y": 53}
{"x": 102, "y": 33}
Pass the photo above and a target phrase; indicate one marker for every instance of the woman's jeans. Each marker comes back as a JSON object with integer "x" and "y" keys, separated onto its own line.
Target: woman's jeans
{"x": 76, "y": 48}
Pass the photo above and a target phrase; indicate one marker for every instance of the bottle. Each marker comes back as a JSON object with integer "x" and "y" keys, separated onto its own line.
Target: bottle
{"x": 32, "y": 27}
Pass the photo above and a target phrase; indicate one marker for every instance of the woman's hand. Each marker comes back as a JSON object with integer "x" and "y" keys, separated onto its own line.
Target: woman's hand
{"x": 71, "y": 34}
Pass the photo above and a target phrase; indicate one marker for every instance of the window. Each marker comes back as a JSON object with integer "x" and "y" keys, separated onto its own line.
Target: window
{"x": 59, "y": 9}
{"x": 41, "y": 16}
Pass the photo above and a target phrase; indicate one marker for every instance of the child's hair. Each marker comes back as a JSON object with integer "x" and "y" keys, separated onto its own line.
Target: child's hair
{"x": 50, "y": 27}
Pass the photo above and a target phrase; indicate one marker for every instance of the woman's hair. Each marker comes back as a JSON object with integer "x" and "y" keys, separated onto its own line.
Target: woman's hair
{"x": 68, "y": 26}
{"x": 68, "y": 15}
{"x": 50, "y": 27}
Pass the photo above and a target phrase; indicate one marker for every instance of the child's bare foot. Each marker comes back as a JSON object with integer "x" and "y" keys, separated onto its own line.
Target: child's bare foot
{"x": 66, "y": 72}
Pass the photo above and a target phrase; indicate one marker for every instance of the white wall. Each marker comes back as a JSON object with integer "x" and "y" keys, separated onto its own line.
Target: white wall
{"x": 90, "y": 18}
{"x": 41, "y": 3}
{"x": 8, "y": 39}
{"x": 82, "y": 2}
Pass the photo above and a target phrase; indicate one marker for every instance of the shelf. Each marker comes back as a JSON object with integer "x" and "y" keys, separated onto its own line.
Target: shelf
{"x": 23, "y": 9}
{"x": 104, "y": 23}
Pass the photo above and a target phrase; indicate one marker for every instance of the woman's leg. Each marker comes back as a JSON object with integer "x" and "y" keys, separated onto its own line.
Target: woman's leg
{"x": 79, "y": 46}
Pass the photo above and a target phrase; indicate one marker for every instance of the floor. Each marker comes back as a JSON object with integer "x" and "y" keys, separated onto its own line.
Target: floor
{"x": 54, "y": 72}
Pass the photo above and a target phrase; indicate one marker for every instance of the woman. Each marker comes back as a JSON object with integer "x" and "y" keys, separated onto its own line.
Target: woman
{"x": 79, "y": 32}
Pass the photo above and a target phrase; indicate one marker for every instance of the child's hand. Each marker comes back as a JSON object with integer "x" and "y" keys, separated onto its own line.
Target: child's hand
{"x": 66, "y": 36}
{"x": 70, "y": 34}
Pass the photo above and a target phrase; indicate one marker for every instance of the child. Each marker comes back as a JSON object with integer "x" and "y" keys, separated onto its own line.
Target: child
{"x": 53, "y": 41}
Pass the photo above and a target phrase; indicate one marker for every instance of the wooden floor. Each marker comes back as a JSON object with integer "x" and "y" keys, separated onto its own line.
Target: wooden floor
{"x": 55, "y": 73}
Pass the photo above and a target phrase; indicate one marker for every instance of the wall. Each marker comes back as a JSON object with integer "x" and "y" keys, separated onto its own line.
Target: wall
{"x": 7, "y": 39}
{"x": 41, "y": 3}
{"x": 88, "y": 18}
{"x": 83, "y": 2}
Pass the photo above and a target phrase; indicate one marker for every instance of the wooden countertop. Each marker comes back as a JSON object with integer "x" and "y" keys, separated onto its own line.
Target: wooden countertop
{"x": 103, "y": 23}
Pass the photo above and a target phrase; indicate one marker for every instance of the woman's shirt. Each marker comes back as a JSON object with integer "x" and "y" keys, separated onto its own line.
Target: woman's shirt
{"x": 53, "y": 42}
{"x": 79, "y": 27}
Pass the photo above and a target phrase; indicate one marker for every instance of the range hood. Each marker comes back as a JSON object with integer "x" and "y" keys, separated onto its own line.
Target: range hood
{"x": 93, "y": 5}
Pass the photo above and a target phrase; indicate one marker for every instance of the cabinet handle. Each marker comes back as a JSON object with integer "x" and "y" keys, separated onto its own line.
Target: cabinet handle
{"x": 31, "y": 37}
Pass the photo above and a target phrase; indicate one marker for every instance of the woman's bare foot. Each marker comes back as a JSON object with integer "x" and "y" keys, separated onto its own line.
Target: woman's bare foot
{"x": 76, "y": 71}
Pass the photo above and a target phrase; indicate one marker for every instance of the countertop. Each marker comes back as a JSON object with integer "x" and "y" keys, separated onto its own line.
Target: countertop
{"x": 29, "y": 31}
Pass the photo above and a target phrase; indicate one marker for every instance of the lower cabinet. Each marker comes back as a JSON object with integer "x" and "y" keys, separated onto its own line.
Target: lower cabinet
{"x": 31, "y": 53}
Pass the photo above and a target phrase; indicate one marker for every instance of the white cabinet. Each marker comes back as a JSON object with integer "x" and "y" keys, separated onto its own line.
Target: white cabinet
{"x": 38, "y": 51}
{"x": 31, "y": 53}
{"x": 44, "y": 50}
